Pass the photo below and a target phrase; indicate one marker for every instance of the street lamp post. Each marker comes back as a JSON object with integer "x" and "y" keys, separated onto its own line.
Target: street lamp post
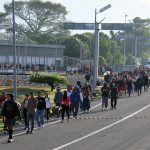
{"x": 124, "y": 51}
{"x": 14, "y": 51}
{"x": 96, "y": 52}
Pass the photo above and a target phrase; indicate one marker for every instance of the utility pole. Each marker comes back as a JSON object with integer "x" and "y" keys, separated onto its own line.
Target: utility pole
{"x": 96, "y": 51}
{"x": 14, "y": 51}
{"x": 125, "y": 36}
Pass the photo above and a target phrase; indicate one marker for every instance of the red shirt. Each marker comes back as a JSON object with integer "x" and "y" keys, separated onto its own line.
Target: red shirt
{"x": 66, "y": 101}
{"x": 2, "y": 100}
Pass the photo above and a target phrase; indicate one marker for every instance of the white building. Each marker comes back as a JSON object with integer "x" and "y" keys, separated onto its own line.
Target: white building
{"x": 44, "y": 54}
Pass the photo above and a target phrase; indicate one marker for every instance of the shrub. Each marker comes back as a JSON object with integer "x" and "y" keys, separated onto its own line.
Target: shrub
{"x": 51, "y": 79}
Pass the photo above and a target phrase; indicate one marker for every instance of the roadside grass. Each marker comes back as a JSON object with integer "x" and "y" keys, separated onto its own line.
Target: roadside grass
{"x": 21, "y": 91}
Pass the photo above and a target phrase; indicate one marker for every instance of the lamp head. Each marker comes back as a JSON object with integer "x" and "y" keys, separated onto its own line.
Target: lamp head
{"x": 105, "y": 8}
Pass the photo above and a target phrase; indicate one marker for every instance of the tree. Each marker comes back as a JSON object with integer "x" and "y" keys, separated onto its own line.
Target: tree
{"x": 102, "y": 60}
{"x": 5, "y": 22}
{"x": 109, "y": 57}
{"x": 87, "y": 40}
{"x": 43, "y": 38}
{"x": 37, "y": 16}
{"x": 50, "y": 79}
{"x": 72, "y": 47}
{"x": 119, "y": 59}
{"x": 104, "y": 44}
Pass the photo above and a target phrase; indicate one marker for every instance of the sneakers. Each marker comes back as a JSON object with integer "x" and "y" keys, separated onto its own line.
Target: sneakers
{"x": 42, "y": 126}
{"x": 28, "y": 132}
{"x": 10, "y": 140}
{"x": 106, "y": 108}
{"x": 31, "y": 132}
{"x": 25, "y": 128}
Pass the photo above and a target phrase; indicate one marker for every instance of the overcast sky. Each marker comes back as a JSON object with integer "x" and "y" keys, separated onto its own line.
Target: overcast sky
{"x": 83, "y": 10}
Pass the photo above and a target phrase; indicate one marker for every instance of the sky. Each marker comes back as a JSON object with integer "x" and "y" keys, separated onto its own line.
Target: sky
{"x": 83, "y": 10}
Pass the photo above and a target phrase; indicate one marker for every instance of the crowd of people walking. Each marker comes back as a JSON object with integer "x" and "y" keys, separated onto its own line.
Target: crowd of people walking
{"x": 69, "y": 101}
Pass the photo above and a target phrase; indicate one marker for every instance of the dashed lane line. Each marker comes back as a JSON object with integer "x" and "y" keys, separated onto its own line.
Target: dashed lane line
{"x": 111, "y": 117}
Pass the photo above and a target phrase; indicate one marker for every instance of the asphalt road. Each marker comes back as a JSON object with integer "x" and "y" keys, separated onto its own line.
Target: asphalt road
{"x": 126, "y": 128}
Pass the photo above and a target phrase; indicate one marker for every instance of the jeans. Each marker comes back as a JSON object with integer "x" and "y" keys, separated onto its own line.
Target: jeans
{"x": 40, "y": 117}
{"x": 86, "y": 104}
{"x": 113, "y": 102}
{"x": 75, "y": 108}
{"x": 104, "y": 102}
{"x": 25, "y": 116}
{"x": 30, "y": 117}
{"x": 47, "y": 113}
{"x": 129, "y": 90}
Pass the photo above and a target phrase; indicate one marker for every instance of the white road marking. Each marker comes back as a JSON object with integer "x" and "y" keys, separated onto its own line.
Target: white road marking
{"x": 21, "y": 133}
{"x": 100, "y": 130}
{"x": 96, "y": 106}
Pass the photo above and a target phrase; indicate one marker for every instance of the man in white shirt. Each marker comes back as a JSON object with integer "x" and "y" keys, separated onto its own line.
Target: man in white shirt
{"x": 48, "y": 105}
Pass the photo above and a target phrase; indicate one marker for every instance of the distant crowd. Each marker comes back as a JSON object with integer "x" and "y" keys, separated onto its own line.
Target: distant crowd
{"x": 28, "y": 67}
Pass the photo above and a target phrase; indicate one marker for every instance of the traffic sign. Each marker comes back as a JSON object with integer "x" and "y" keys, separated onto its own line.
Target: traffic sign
{"x": 130, "y": 37}
{"x": 79, "y": 26}
{"x": 117, "y": 26}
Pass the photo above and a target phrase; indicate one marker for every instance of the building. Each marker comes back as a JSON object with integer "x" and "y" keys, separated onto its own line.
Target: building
{"x": 28, "y": 54}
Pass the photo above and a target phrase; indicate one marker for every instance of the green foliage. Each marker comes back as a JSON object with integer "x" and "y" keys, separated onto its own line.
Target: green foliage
{"x": 86, "y": 43}
{"x": 51, "y": 79}
{"x": 109, "y": 57}
{"x": 102, "y": 60}
{"x": 43, "y": 38}
{"x": 72, "y": 47}
{"x": 38, "y": 16}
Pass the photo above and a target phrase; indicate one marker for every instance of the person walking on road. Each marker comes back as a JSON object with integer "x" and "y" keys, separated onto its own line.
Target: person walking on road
{"x": 31, "y": 110}
{"x": 75, "y": 101}
{"x": 113, "y": 95}
{"x": 86, "y": 97}
{"x": 48, "y": 106}
{"x": 129, "y": 86}
{"x": 139, "y": 84}
{"x": 145, "y": 82}
{"x": 105, "y": 90}
{"x": 24, "y": 107}
{"x": 9, "y": 111}
{"x": 57, "y": 99}
{"x": 65, "y": 103}
{"x": 41, "y": 106}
